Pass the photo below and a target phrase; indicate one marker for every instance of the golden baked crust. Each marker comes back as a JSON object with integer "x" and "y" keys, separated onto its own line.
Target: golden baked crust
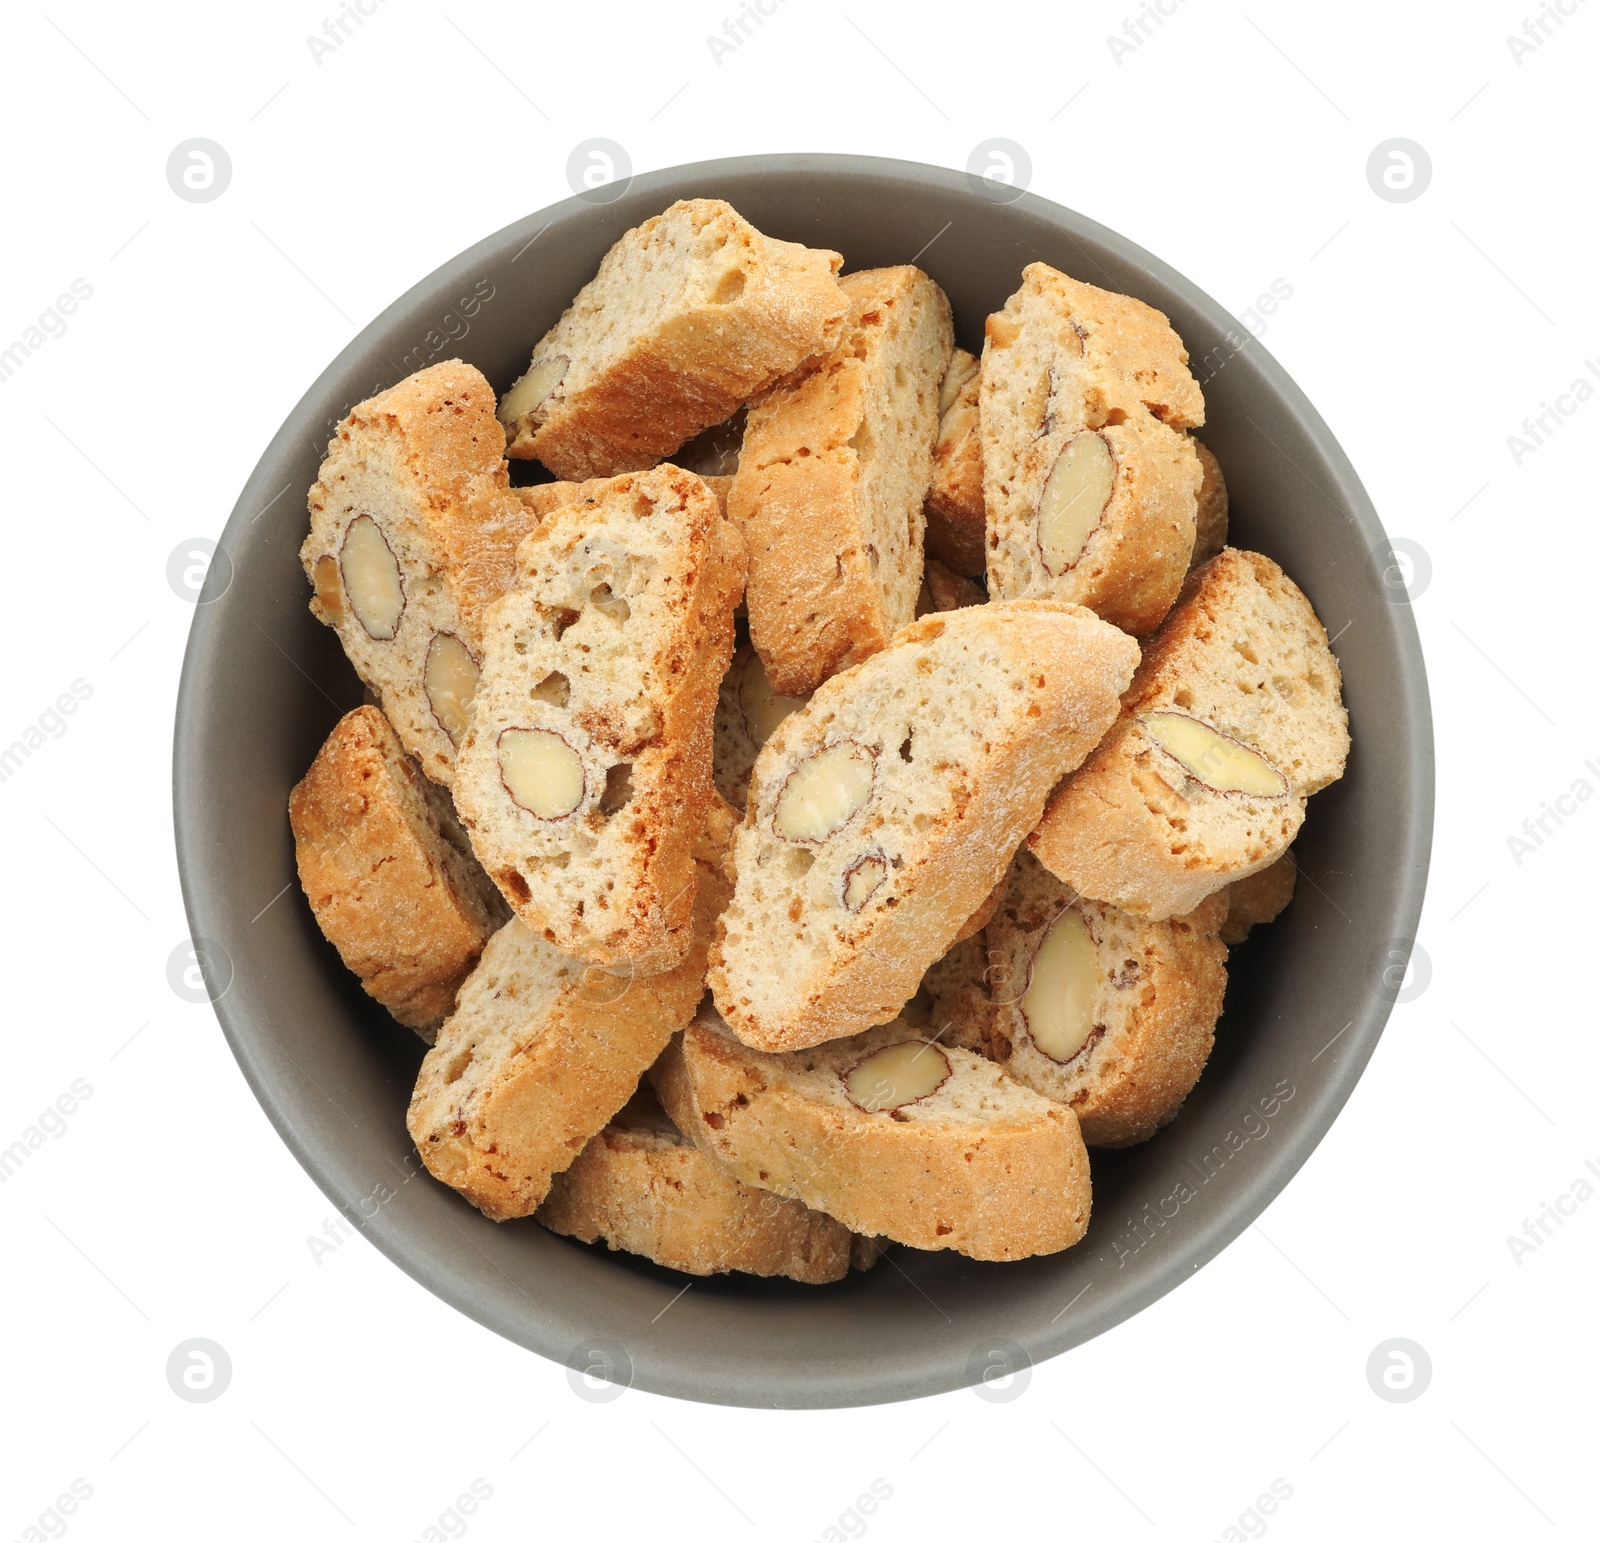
{"x": 387, "y": 872}
{"x": 614, "y": 641}
{"x": 1062, "y": 361}
{"x": 955, "y": 496}
{"x": 646, "y": 1189}
{"x": 969, "y": 718}
{"x": 539, "y": 1055}
{"x": 982, "y": 1165}
{"x": 690, "y": 314}
{"x": 1244, "y": 653}
{"x": 1259, "y": 898}
{"x": 425, "y": 461}
{"x": 832, "y": 476}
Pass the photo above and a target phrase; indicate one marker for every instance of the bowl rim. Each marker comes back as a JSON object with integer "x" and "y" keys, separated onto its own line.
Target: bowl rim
{"x": 797, "y": 1386}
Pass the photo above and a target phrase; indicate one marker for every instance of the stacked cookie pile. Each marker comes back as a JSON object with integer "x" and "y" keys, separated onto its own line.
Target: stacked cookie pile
{"x": 823, "y": 811}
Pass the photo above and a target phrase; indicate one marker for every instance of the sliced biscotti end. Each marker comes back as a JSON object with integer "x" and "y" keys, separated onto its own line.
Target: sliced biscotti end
{"x": 1234, "y": 719}
{"x": 646, "y": 1189}
{"x": 832, "y": 476}
{"x": 586, "y": 772}
{"x": 405, "y": 470}
{"x": 690, "y": 314}
{"x": 388, "y": 873}
{"x": 890, "y": 1134}
{"x": 1103, "y": 1012}
{"x": 1260, "y": 898}
{"x": 748, "y": 712}
{"x": 882, "y": 814}
{"x": 1211, "y": 508}
{"x": 539, "y": 1054}
{"x": 954, "y": 505}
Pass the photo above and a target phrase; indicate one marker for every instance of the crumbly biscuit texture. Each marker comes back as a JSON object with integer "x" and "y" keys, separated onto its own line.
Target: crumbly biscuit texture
{"x": 388, "y": 873}
{"x": 539, "y": 1054}
{"x": 690, "y": 314}
{"x": 644, "y": 1188}
{"x": 833, "y": 471}
{"x": 1211, "y": 509}
{"x": 978, "y": 1163}
{"x": 585, "y": 775}
{"x": 1259, "y": 898}
{"x": 1243, "y": 663}
{"x": 882, "y": 814}
{"x": 406, "y": 475}
{"x": 1089, "y": 484}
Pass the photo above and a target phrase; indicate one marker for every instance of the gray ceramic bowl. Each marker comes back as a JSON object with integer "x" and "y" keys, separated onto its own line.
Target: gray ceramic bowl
{"x": 263, "y": 683}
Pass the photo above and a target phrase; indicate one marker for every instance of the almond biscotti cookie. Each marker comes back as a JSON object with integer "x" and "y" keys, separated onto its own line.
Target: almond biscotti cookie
{"x": 832, "y": 475}
{"x": 889, "y": 1133}
{"x": 1103, "y": 1012}
{"x": 883, "y": 813}
{"x": 406, "y": 469}
{"x": 1259, "y": 898}
{"x": 956, "y": 521}
{"x": 1234, "y": 720}
{"x": 691, "y": 314}
{"x": 1089, "y": 485}
{"x": 539, "y": 1054}
{"x": 584, "y": 778}
{"x": 388, "y": 873}
{"x": 647, "y": 1189}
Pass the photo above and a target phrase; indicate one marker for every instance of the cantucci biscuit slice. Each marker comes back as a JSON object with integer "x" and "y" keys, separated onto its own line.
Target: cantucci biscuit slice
{"x": 647, "y": 1189}
{"x": 1211, "y": 509}
{"x": 1103, "y": 1012}
{"x": 1090, "y": 488}
{"x": 585, "y": 776}
{"x": 748, "y": 712}
{"x": 1234, "y": 720}
{"x": 406, "y": 473}
{"x": 956, "y": 524}
{"x": 1259, "y": 898}
{"x": 539, "y": 1054}
{"x": 882, "y": 814}
{"x": 890, "y": 1134}
{"x": 833, "y": 472}
{"x": 690, "y": 314}
{"x": 386, "y": 867}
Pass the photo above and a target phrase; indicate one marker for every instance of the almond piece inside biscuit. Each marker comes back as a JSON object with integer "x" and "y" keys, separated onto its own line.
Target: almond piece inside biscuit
{"x": 1074, "y": 498}
{"x": 450, "y": 678}
{"x": 372, "y": 579}
{"x": 1059, "y": 1002}
{"x": 896, "y": 1076}
{"x": 541, "y": 772}
{"x": 863, "y": 879}
{"x": 528, "y": 395}
{"x": 763, "y": 708}
{"x": 1214, "y": 758}
{"x": 825, "y": 792}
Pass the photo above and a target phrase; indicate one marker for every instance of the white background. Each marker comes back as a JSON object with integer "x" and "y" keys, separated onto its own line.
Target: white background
{"x": 1232, "y": 144}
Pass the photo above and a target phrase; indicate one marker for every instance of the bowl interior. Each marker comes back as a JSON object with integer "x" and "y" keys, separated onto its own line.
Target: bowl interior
{"x": 263, "y": 683}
